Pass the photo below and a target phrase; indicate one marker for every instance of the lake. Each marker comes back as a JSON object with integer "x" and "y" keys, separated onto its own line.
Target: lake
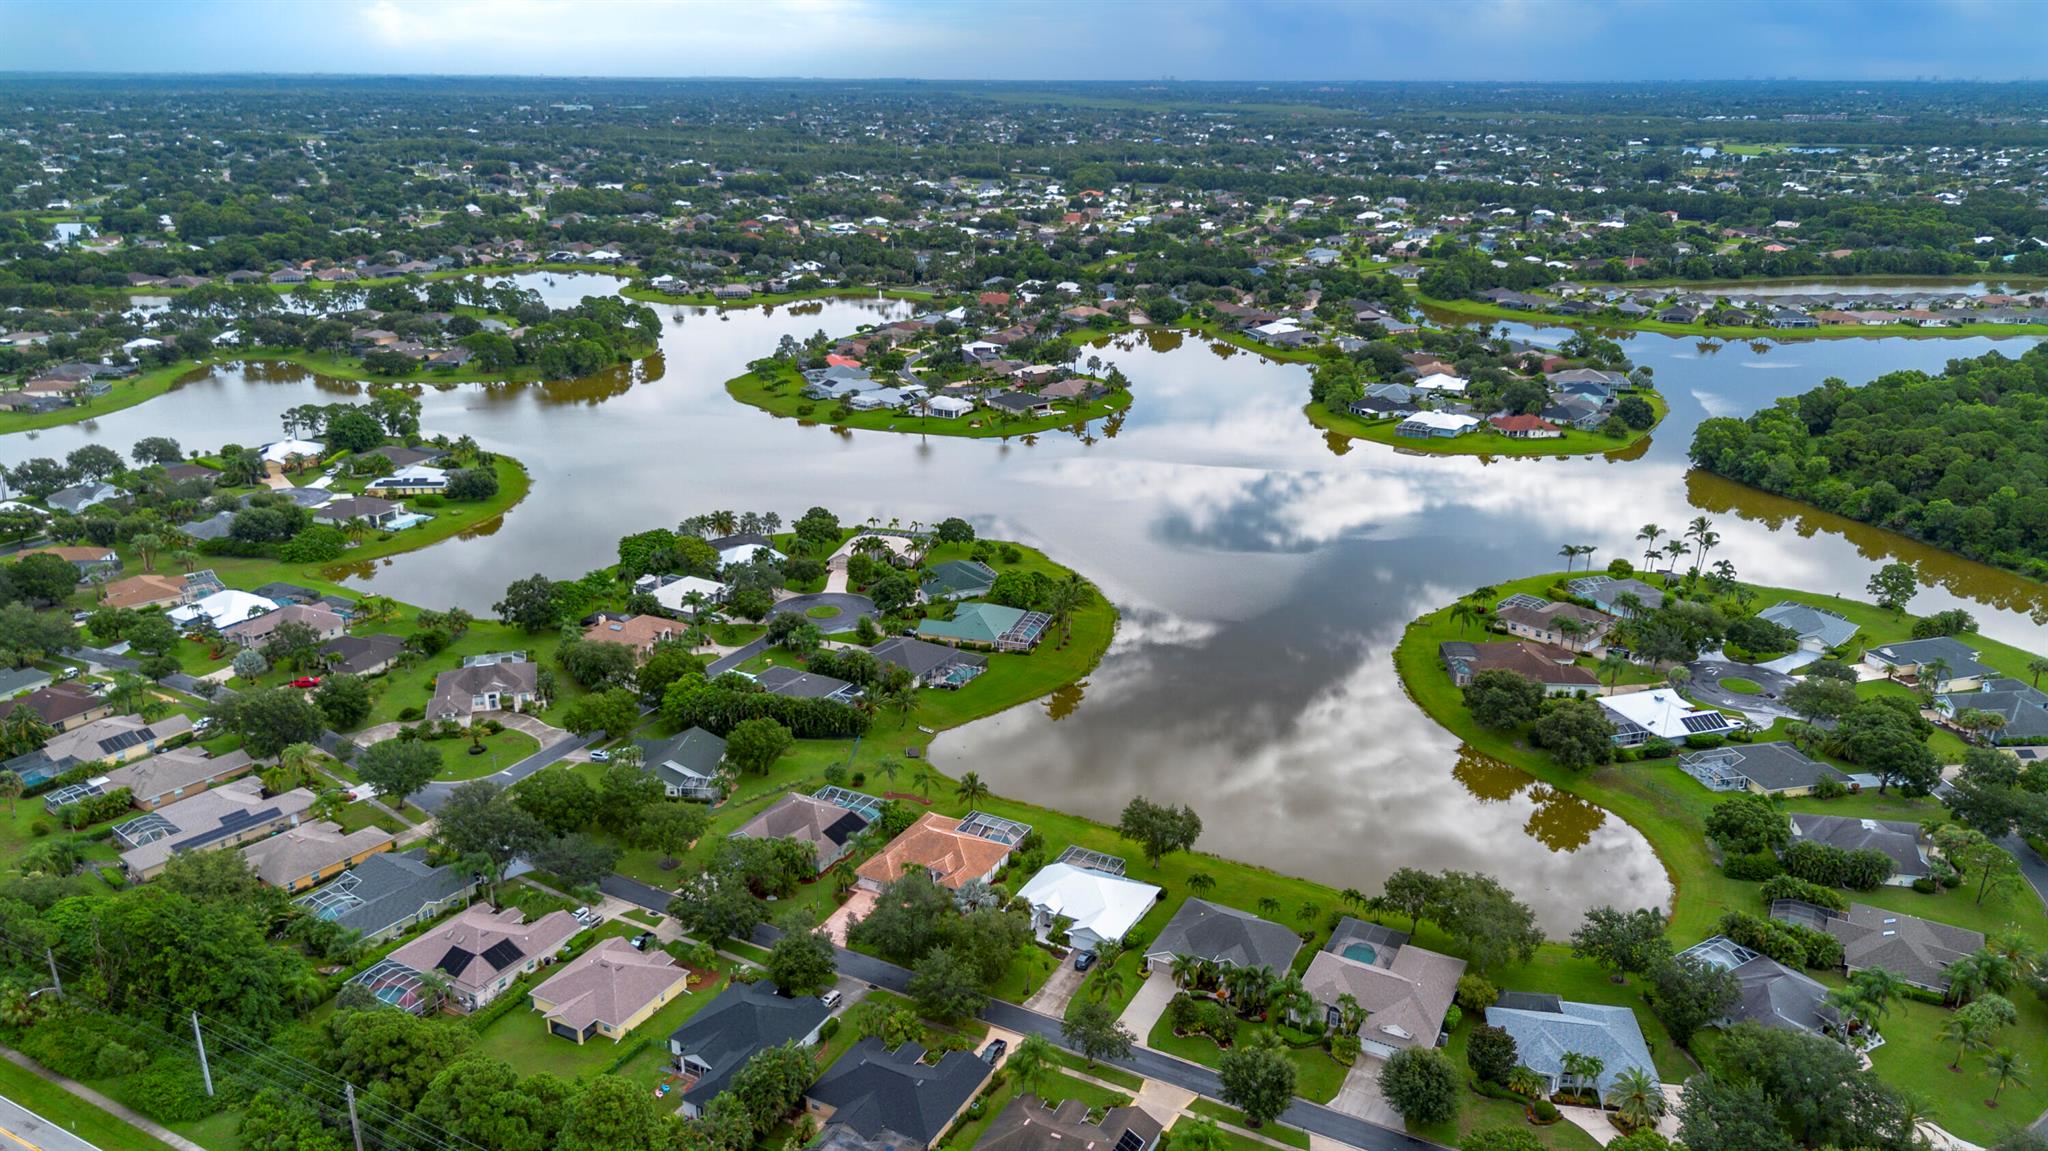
{"x": 1264, "y": 570}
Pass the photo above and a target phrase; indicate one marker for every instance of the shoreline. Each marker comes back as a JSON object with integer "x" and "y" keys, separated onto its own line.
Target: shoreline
{"x": 1479, "y": 310}
{"x": 1488, "y": 445}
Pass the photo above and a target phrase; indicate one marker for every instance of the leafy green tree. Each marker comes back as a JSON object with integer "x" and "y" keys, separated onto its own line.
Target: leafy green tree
{"x": 615, "y": 1114}
{"x": 398, "y": 768}
{"x": 1490, "y": 1053}
{"x": 669, "y": 828}
{"x": 579, "y": 860}
{"x": 400, "y": 1053}
{"x": 1748, "y": 823}
{"x": 1159, "y": 829}
{"x": 270, "y": 719}
{"x": 343, "y": 700}
{"x": 803, "y": 962}
{"x": 1093, "y": 1029}
{"x": 1576, "y": 733}
{"x": 1894, "y": 586}
{"x": 1258, "y": 1082}
{"x": 1687, "y": 995}
{"x": 1423, "y": 1085}
{"x": 560, "y": 799}
{"x": 529, "y": 604}
{"x": 945, "y": 986}
{"x": 1625, "y": 943}
{"x": 753, "y": 745}
{"x": 483, "y": 1101}
{"x": 614, "y": 711}
{"x": 1500, "y": 698}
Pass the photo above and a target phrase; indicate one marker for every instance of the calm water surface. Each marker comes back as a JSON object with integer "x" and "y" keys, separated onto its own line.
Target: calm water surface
{"x": 1263, "y": 569}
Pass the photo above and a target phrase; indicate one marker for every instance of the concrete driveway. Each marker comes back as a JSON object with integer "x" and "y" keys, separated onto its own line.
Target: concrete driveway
{"x": 1360, "y": 1096}
{"x": 1762, "y": 709}
{"x": 1052, "y": 999}
{"x": 1148, "y": 1004}
{"x": 849, "y": 606}
{"x": 857, "y": 906}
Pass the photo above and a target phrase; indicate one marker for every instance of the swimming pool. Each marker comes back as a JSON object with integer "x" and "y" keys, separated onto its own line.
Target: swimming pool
{"x": 1362, "y": 952}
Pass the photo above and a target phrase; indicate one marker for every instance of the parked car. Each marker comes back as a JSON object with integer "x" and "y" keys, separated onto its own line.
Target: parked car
{"x": 993, "y": 1053}
{"x": 1083, "y": 960}
{"x": 831, "y": 998}
{"x": 600, "y": 756}
{"x": 306, "y": 681}
{"x": 584, "y": 916}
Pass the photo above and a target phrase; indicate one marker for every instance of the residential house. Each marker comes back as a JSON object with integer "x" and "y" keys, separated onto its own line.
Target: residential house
{"x": 1544, "y": 622}
{"x": 362, "y": 654}
{"x": 930, "y": 664}
{"x": 481, "y": 951}
{"x": 957, "y": 580}
{"x": 2022, "y": 707}
{"x": 674, "y": 595}
{"x": 638, "y": 632}
{"x": 874, "y": 1090}
{"x": 950, "y": 850}
{"x": 1819, "y": 630}
{"x": 388, "y": 893}
{"x": 308, "y": 855}
{"x": 146, "y": 590}
{"x": 1896, "y": 838}
{"x": 90, "y": 561}
{"x": 226, "y": 816}
{"x": 1660, "y": 713}
{"x": 61, "y": 705}
{"x": 326, "y": 623}
{"x": 1945, "y": 662}
{"x": 1030, "y": 1124}
{"x": 381, "y": 515}
{"x": 1546, "y": 1029}
{"x": 1763, "y": 768}
{"x": 1606, "y": 592}
{"x": 947, "y": 407}
{"x": 172, "y": 775}
{"x": 1917, "y": 951}
{"x": 688, "y": 765}
{"x": 826, "y": 828}
{"x": 1551, "y": 667}
{"x": 742, "y": 548}
{"x": 113, "y": 739}
{"x": 1224, "y": 936}
{"x": 221, "y": 609}
{"x": 414, "y": 480}
{"x": 1096, "y": 906}
{"x": 1519, "y": 427}
{"x": 1435, "y": 425}
{"x": 79, "y": 497}
{"x": 609, "y": 990}
{"x": 19, "y": 681}
{"x": 799, "y": 684}
{"x": 987, "y": 625}
{"x": 719, "y": 1039}
{"x": 462, "y": 693}
{"x": 1404, "y": 990}
{"x": 1770, "y": 994}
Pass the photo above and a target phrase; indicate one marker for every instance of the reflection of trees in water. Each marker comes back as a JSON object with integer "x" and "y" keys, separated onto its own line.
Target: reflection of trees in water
{"x": 1338, "y": 443}
{"x": 339, "y": 573}
{"x": 1562, "y": 821}
{"x": 1963, "y": 578}
{"x": 287, "y": 372}
{"x": 1114, "y": 424}
{"x": 1634, "y": 451}
{"x": 1063, "y": 701}
{"x": 482, "y": 530}
{"x": 1761, "y": 346}
{"x": 589, "y": 390}
{"x": 1707, "y": 347}
{"x": 1224, "y": 350}
{"x": 1163, "y": 339}
{"x": 1488, "y": 779}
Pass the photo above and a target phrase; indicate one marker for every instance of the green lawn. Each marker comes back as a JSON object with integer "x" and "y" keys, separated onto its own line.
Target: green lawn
{"x": 1232, "y": 1117}
{"x": 781, "y": 394}
{"x": 74, "y": 1114}
{"x": 1317, "y": 1077}
{"x": 522, "y": 1038}
{"x": 1741, "y": 686}
{"x": 1483, "y": 442}
{"x": 500, "y": 751}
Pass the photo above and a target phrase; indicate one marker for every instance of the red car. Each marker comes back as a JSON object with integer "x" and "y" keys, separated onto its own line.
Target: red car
{"x": 307, "y": 681}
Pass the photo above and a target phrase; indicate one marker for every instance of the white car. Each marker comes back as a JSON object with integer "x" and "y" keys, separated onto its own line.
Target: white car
{"x": 600, "y": 756}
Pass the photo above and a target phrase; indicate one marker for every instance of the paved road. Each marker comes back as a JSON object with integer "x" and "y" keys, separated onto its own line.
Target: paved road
{"x": 1706, "y": 687}
{"x": 2031, "y": 864}
{"x": 635, "y": 892}
{"x": 850, "y": 606}
{"x": 26, "y": 1129}
{"x": 436, "y": 794}
{"x": 732, "y": 662}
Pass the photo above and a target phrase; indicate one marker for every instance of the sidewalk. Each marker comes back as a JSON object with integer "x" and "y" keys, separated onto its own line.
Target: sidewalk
{"x": 148, "y": 1127}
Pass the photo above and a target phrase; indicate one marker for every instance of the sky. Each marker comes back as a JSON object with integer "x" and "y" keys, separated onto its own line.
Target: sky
{"x": 1276, "y": 40}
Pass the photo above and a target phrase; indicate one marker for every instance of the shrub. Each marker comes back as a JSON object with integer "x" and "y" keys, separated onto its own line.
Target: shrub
{"x": 1544, "y": 1110}
{"x": 1830, "y": 788}
{"x": 117, "y": 1059}
{"x": 1925, "y": 885}
{"x": 411, "y": 714}
{"x": 171, "y": 1090}
{"x": 828, "y": 1029}
{"x": 1792, "y": 887}
{"x": 1753, "y": 867}
{"x": 1704, "y": 742}
{"x": 1502, "y": 1139}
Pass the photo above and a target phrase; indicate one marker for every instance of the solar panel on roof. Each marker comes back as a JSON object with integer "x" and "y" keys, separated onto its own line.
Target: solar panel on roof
{"x": 1130, "y": 1141}
{"x": 233, "y": 823}
{"x": 1713, "y": 721}
{"x": 503, "y": 954}
{"x": 122, "y": 741}
{"x": 456, "y": 961}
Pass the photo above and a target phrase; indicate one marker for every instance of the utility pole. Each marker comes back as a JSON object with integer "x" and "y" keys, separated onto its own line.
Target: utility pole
{"x": 56, "y": 980}
{"x": 205, "y": 1071}
{"x": 355, "y": 1126}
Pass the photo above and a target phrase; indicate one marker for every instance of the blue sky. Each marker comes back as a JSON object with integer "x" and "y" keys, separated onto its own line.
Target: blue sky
{"x": 1042, "y": 39}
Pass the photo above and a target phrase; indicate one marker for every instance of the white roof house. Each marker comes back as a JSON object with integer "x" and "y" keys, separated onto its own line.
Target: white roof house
{"x": 1640, "y": 715}
{"x": 282, "y": 450}
{"x": 1440, "y": 382}
{"x": 949, "y": 407}
{"x": 674, "y": 596}
{"x": 1438, "y": 423}
{"x": 1101, "y": 906}
{"x": 224, "y": 608}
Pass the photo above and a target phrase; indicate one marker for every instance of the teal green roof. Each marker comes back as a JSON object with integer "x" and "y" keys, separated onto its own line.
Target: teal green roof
{"x": 973, "y": 623}
{"x": 956, "y": 576}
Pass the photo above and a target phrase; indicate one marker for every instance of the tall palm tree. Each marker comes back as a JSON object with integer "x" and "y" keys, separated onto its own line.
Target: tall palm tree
{"x": 1677, "y": 550}
{"x": 2037, "y": 665}
{"x": 1638, "y": 1098}
{"x": 2005, "y": 1067}
{"x": 1649, "y": 535}
{"x": 1936, "y": 671}
{"x": 1570, "y": 552}
{"x": 971, "y": 790}
{"x": 1708, "y": 540}
{"x": 1967, "y": 1030}
{"x": 10, "y": 789}
{"x": 1031, "y": 1061}
{"x": 1611, "y": 666}
{"x": 1463, "y": 614}
{"x": 1352, "y": 897}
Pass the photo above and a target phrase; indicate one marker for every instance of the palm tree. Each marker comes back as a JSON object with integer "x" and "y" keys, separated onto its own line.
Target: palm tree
{"x": 1031, "y": 1060}
{"x": 1269, "y": 906}
{"x": 1584, "y": 1070}
{"x": 1187, "y": 969}
{"x": 1649, "y": 535}
{"x": 971, "y": 790}
{"x": 1708, "y": 541}
{"x": 1570, "y": 552}
{"x": 1849, "y": 1003}
{"x": 1526, "y": 1081}
{"x": 1200, "y": 882}
{"x": 146, "y": 546}
{"x": 888, "y": 769}
{"x": 1638, "y": 1098}
{"x": 1611, "y": 666}
{"x": 1352, "y": 897}
{"x": 1878, "y": 988}
{"x": 1350, "y": 1014}
{"x": 925, "y": 778}
{"x": 1109, "y": 978}
{"x": 1677, "y": 550}
{"x": 1463, "y": 614}
{"x": 2037, "y": 665}
{"x": 1068, "y": 596}
{"x": 2005, "y": 1067}
{"x": 1967, "y": 1030}
{"x": 10, "y": 788}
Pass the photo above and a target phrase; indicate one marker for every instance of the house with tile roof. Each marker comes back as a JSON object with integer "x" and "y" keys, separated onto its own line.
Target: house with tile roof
{"x": 1405, "y": 990}
{"x": 305, "y": 856}
{"x": 936, "y": 843}
{"x": 826, "y": 828}
{"x": 1917, "y": 951}
{"x": 987, "y": 625}
{"x": 482, "y": 950}
{"x": 608, "y": 991}
{"x": 1546, "y": 1029}
{"x": 226, "y": 816}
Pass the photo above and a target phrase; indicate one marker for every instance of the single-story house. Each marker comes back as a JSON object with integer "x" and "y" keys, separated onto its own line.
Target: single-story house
{"x": 379, "y": 514}
{"x": 1224, "y": 936}
{"x": 674, "y": 595}
{"x": 1029, "y": 1124}
{"x": 1098, "y": 907}
{"x": 1917, "y": 951}
{"x": 1435, "y": 425}
{"x": 416, "y": 480}
{"x": 827, "y": 828}
{"x": 222, "y": 608}
{"x": 930, "y": 664}
{"x": 1551, "y": 667}
{"x": 1020, "y": 404}
{"x": 799, "y": 684}
{"x": 2023, "y": 707}
{"x": 1605, "y": 593}
{"x": 1771, "y": 994}
{"x": 947, "y": 848}
{"x": 1896, "y": 838}
{"x": 461, "y": 693}
{"x": 687, "y": 765}
{"x": 256, "y": 631}
{"x": 957, "y": 579}
{"x": 172, "y": 775}
{"x": 638, "y": 632}
{"x": 874, "y": 1090}
{"x": 19, "y": 681}
{"x": 61, "y": 705}
{"x": 1764, "y": 768}
{"x": 89, "y": 561}
{"x": 79, "y": 497}
{"x": 742, "y": 548}
{"x": 745, "y": 1018}
{"x": 1545, "y": 623}
{"x": 1405, "y": 990}
{"x": 987, "y": 625}
{"x": 146, "y": 590}
{"x": 481, "y": 951}
{"x": 947, "y": 407}
{"x": 388, "y": 893}
{"x": 1520, "y": 427}
{"x": 226, "y": 816}
{"x": 1546, "y": 1029}
{"x": 362, "y": 654}
{"x": 1660, "y": 713}
{"x": 115, "y": 739}
{"x": 303, "y": 857}
{"x": 1440, "y": 382}
{"x": 608, "y": 990}
{"x": 1819, "y": 629}
{"x": 1951, "y": 665}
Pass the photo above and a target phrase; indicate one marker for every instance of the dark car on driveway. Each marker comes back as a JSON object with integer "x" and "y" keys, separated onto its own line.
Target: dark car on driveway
{"x": 1083, "y": 960}
{"x": 993, "y": 1053}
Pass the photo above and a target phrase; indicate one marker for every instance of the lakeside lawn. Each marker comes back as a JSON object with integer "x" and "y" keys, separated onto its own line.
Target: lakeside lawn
{"x": 139, "y": 388}
{"x": 1479, "y": 309}
{"x": 1573, "y": 442}
{"x": 1670, "y": 809}
{"x": 638, "y": 290}
{"x": 780, "y": 393}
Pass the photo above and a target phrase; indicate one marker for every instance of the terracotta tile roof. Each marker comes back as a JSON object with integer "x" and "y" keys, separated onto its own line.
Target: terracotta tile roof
{"x": 936, "y": 844}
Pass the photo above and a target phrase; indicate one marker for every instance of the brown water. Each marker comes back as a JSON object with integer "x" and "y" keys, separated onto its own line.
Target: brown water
{"x": 1264, "y": 568}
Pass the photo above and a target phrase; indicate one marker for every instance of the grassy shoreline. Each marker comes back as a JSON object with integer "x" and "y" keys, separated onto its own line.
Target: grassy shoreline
{"x": 1479, "y": 309}
{"x": 783, "y": 399}
{"x": 638, "y": 290}
{"x": 1573, "y": 443}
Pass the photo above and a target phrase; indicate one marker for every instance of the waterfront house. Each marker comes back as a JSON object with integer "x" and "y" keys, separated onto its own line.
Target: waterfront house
{"x": 1918, "y": 951}
{"x": 825, "y": 827}
{"x": 1098, "y": 907}
{"x": 1546, "y": 1029}
{"x": 1404, "y": 990}
{"x": 1224, "y": 936}
{"x": 1895, "y": 838}
{"x": 987, "y": 625}
{"x": 952, "y": 851}
{"x": 1948, "y": 664}
{"x": 1435, "y": 425}
{"x": 1661, "y": 713}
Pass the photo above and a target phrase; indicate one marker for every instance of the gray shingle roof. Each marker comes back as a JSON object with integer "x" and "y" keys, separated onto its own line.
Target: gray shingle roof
{"x": 741, "y": 1021}
{"x": 1226, "y": 935}
{"x": 1543, "y": 1038}
{"x": 872, "y": 1089}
